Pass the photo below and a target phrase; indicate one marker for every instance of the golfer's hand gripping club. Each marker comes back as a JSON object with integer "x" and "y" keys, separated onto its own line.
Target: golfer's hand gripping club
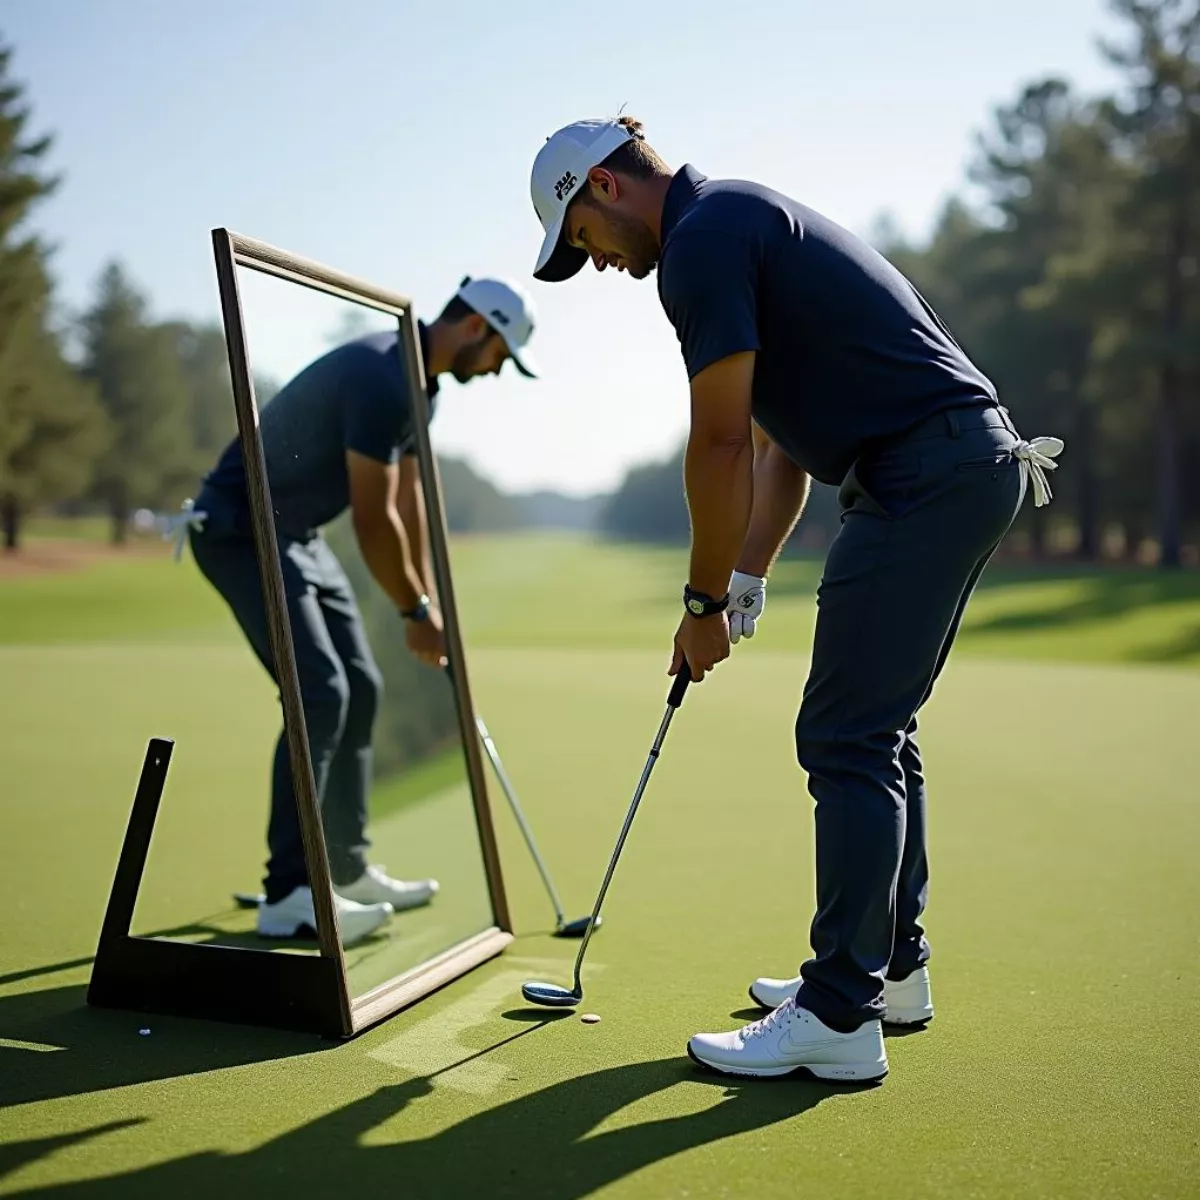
{"x": 551, "y": 994}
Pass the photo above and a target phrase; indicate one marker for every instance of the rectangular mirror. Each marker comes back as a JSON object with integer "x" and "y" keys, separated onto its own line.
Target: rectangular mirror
{"x": 377, "y": 879}
{"x": 389, "y": 760}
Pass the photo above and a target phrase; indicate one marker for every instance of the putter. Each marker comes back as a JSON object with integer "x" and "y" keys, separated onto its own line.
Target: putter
{"x": 551, "y": 995}
{"x": 562, "y": 927}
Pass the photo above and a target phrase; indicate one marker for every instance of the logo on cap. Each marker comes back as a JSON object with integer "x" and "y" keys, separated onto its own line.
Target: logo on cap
{"x": 565, "y": 185}
{"x": 502, "y": 317}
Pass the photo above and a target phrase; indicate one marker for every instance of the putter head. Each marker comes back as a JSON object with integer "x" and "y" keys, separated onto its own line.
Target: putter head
{"x": 550, "y": 995}
{"x": 576, "y": 929}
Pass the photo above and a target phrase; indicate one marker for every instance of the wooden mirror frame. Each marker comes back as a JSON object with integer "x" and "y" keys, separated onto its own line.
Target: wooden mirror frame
{"x": 269, "y": 987}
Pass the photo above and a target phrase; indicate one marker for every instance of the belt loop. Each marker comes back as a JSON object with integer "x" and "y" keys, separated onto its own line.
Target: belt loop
{"x": 952, "y": 422}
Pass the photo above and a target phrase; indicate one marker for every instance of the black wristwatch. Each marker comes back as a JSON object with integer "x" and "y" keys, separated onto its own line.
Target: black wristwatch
{"x": 420, "y": 612}
{"x": 700, "y": 604}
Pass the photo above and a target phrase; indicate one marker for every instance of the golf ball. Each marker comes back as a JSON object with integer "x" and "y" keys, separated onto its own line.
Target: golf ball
{"x": 590, "y": 1019}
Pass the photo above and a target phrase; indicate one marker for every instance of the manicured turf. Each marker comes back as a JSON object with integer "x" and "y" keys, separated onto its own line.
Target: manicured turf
{"x": 1063, "y": 908}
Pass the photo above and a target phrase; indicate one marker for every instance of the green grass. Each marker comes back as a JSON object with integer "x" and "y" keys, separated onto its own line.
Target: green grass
{"x": 87, "y": 529}
{"x": 437, "y": 773}
{"x": 1062, "y": 759}
{"x": 120, "y": 599}
{"x": 553, "y": 591}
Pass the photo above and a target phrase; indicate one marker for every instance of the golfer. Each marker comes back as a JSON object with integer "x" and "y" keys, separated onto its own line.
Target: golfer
{"x": 341, "y": 434}
{"x": 811, "y": 357}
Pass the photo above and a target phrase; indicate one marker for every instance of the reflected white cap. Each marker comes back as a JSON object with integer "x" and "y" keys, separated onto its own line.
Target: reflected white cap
{"x": 507, "y": 308}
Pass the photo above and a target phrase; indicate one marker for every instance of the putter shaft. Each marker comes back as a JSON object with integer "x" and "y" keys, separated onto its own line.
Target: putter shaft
{"x": 498, "y": 767}
{"x": 673, "y": 703}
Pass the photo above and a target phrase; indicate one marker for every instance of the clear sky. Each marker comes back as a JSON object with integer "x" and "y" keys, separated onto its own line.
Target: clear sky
{"x": 393, "y": 141}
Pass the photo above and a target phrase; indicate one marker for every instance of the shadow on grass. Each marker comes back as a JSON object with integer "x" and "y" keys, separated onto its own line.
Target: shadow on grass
{"x": 205, "y": 931}
{"x": 539, "y": 1145}
{"x": 71, "y": 1048}
{"x": 1099, "y": 594}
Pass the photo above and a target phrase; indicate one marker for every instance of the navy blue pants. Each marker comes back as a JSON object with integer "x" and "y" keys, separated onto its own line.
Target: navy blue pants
{"x": 920, "y": 519}
{"x": 339, "y": 682}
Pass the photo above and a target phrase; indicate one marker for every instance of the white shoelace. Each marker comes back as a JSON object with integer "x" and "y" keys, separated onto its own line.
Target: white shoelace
{"x": 1036, "y": 458}
{"x": 175, "y": 526}
{"x": 771, "y": 1021}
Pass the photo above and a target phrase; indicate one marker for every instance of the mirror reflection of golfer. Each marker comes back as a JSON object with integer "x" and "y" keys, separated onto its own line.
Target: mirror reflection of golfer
{"x": 810, "y": 355}
{"x": 340, "y": 435}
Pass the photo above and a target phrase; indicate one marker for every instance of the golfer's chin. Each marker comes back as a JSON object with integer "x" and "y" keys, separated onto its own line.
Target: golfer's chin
{"x": 640, "y": 270}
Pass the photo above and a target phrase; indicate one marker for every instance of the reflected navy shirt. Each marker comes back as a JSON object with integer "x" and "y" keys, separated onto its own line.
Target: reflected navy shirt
{"x": 849, "y": 352}
{"x": 356, "y": 397}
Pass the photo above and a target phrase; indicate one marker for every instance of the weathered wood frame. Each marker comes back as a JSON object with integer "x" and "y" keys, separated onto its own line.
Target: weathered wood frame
{"x": 290, "y": 991}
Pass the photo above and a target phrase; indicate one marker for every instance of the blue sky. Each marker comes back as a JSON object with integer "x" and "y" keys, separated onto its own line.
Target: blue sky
{"x": 394, "y": 141}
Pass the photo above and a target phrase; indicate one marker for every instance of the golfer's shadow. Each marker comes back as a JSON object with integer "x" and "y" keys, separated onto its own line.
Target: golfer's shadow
{"x": 542, "y": 1144}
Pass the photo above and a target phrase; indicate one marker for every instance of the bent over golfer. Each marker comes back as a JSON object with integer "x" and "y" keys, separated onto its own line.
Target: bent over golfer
{"x": 810, "y": 356}
{"x": 341, "y": 435}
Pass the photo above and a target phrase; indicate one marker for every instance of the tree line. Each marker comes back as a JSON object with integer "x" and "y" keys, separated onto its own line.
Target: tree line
{"x": 111, "y": 409}
{"x": 1072, "y": 277}
{"x": 108, "y": 408}
{"x": 1070, "y": 271}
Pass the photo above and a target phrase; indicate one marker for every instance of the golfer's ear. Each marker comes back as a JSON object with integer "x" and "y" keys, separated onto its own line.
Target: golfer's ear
{"x": 721, "y": 396}
{"x": 604, "y": 185}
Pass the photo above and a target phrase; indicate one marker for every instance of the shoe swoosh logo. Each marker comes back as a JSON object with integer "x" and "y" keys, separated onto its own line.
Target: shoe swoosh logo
{"x": 787, "y": 1042}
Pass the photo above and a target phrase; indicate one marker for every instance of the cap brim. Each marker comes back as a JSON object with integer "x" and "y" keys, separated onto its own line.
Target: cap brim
{"x": 522, "y": 359}
{"x": 526, "y": 365}
{"x": 558, "y": 260}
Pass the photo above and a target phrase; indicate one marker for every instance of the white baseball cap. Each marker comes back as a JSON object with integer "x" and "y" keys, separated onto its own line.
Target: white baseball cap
{"x": 560, "y": 168}
{"x": 507, "y": 308}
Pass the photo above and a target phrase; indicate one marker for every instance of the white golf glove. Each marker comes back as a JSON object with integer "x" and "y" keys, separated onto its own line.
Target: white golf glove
{"x": 747, "y": 595}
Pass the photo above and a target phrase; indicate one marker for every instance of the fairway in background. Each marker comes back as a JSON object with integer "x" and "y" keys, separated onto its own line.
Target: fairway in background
{"x": 1062, "y": 907}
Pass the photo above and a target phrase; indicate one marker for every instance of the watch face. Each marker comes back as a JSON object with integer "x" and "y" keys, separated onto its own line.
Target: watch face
{"x": 696, "y": 606}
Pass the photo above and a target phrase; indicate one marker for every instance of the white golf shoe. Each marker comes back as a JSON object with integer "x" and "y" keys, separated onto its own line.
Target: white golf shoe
{"x": 791, "y": 1039}
{"x": 294, "y": 916}
{"x": 909, "y": 1001}
{"x": 375, "y": 886}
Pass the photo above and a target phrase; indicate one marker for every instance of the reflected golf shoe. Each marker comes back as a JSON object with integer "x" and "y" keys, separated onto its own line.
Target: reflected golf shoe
{"x": 375, "y": 886}
{"x": 909, "y": 1001}
{"x": 294, "y": 916}
{"x": 791, "y": 1039}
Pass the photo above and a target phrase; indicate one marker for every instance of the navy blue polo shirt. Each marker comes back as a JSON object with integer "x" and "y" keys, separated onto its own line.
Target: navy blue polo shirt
{"x": 848, "y": 350}
{"x": 356, "y": 397}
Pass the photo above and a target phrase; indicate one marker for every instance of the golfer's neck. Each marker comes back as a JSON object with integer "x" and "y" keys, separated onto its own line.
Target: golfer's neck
{"x": 441, "y": 353}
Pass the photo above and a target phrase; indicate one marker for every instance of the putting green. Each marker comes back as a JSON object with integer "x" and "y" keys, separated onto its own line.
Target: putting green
{"x": 1063, "y": 916}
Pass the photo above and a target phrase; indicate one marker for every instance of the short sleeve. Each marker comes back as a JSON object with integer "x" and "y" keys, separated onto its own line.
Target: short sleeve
{"x": 708, "y": 284}
{"x": 376, "y": 415}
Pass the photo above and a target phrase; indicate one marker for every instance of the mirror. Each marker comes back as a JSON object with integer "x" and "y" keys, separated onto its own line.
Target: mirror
{"x": 309, "y": 715}
{"x": 385, "y": 746}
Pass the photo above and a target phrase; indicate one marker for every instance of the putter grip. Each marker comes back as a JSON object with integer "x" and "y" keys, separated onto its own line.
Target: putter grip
{"x": 675, "y": 699}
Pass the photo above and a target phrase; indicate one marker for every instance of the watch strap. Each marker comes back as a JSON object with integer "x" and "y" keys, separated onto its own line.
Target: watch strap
{"x": 700, "y": 604}
{"x": 419, "y": 612}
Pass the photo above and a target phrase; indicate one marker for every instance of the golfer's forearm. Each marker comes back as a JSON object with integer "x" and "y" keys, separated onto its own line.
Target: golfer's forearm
{"x": 780, "y": 490}
{"x": 411, "y": 507}
{"x": 385, "y": 550}
{"x": 719, "y": 478}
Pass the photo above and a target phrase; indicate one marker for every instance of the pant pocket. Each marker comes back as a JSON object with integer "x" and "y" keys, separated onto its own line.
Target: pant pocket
{"x": 992, "y": 460}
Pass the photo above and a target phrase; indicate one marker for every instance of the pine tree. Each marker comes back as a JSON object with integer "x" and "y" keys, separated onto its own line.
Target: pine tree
{"x": 51, "y": 427}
